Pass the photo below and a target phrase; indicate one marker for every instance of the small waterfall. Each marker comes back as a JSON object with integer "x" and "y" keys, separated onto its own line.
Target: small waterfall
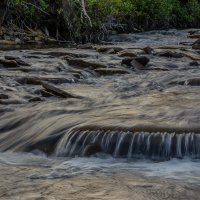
{"x": 161, "y": 145}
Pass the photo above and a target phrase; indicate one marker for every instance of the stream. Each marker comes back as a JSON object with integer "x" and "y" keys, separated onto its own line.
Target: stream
{"x": 117, "y": 120}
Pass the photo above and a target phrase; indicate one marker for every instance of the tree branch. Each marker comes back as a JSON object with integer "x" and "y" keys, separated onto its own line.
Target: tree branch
{"x": 38, "y": 8}
{"x": 84, "y": 12}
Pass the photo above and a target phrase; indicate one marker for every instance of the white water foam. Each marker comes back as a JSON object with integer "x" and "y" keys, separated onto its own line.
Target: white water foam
{"x": 179, "y": 170}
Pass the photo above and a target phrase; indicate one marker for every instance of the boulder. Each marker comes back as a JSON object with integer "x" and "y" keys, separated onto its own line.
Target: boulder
{"x": 139, "y": 62}
{"x": 127, "y": 61}
{"x": 8, "y": 63}
{"x": 148, "y": 50}
{"x": 91, "y": 149}
{"x": 196, "y": 45}
{"x": 143, "y": 60}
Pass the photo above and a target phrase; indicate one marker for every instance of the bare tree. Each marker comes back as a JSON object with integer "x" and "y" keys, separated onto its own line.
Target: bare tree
{"x": 84, "y": 13}
{"x": 3, "y": 9}
{"x": 68, "y": 12}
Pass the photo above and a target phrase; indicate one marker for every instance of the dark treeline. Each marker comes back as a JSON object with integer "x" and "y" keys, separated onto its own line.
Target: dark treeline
{"x": 94, "y": 19}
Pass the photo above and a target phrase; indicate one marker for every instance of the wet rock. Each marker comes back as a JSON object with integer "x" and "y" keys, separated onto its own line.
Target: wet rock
{"x": 196, "y": 45}
{"x": 85, "y": 64}
{"x": 18, "y": 60}
{"x": 110, "y": 51}
{"x": 8, "y": 63}
{"x": 194, "y": 64}
{"x": 11, "y": 101}
{"x": 50, "y": 40}
{"x": 46, "y": 145}
{"x": 7, "y": 42}
{"x": 29, "y": 80}
{"x": 127, "y": 61}
{"x": 195, "y": 35}
{"x": 75, "y": 55}
{"x": 155, "y": 68}
{"x": 192, "y": 56}
{"x": 44, "y": 93}
{"x": 126, "y": 54}
{"x": 57, "y": 91}
{"x": 105, "y": 49}
{"x": 110, "y": 71}
{"x": 11, "y": 57}
{"x": 91, "y": 149}
{"x": 35, "y": 99}
{"x": 18, "y": 41}
{"x": 143, "y": 60}
{"x": 148, "y": 50}
{"x": 137, "y": 65}
{"x": 4, "y": 96}
{"x": 193, "y": 82}
{"x": 37, "y": 80}
{"x": 85, "y": 46}
{"x": 170, "y": 54}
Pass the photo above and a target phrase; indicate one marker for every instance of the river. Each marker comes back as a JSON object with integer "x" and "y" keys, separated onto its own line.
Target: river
{"x": 132, "y": 104}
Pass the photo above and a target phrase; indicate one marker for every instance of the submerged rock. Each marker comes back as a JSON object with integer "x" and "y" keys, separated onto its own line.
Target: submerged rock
{"x": 8, "y": 63}
{"x": 170, "y": 54}
{"x": 127, "y": 61}
{"x": 143, "y": 60}
{"x": 105, "y": 49}
{"x": 91, "y": 149}
{"x": 4, "y": 96}
{"x": 35, "y": 99}
{"x": 85, "y": 64}
{"x": 57, "y": 91}
{"x": 196, "y": 45}
{"x": 191, "y": 82}
{"x": 140, "y": 62}
{"x": 18, "y": 60}
{"x": 110, "y": 71}
{"x": 126, "y": 54}
{"x": 148, "y": 50}
{"x": 194, "y": 63}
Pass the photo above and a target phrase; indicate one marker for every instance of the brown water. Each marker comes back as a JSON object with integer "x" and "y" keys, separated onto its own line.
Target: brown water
{"x": 164, "y": 97}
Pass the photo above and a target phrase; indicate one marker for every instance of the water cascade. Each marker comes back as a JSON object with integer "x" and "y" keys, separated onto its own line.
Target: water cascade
{"x": 153, "y": 144}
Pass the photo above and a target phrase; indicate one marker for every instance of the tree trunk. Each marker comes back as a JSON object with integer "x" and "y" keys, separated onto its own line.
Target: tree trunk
{"x": 3, "y": 9}
{"x": 68, "y": 13}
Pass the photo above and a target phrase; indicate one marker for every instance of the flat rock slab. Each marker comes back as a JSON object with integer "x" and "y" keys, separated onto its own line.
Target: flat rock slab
{"x": 8, "y": 63}
{"x": 57, "y": 91}
{"x": 110, "y": 71}
{"x": 85, "y": 64}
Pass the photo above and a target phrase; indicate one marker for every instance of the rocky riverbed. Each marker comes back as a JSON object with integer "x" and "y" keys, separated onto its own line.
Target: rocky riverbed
{"x": 134, "y": 80}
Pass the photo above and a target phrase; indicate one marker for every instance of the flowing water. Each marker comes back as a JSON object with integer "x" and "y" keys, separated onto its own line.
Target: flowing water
{"x": 142, "y": 124}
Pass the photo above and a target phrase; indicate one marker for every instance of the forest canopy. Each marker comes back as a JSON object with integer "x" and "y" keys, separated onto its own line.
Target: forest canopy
{"x": 118, "y": 15}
